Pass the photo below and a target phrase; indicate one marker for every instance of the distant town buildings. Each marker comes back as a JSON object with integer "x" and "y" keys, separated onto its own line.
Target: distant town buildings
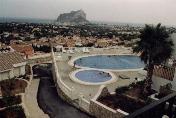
{"x": 26, "y": 50}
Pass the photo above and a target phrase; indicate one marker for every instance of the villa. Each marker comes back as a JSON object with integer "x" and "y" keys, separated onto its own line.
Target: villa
{"x": 68, "y": 72}
{"x": 86, "y": 80}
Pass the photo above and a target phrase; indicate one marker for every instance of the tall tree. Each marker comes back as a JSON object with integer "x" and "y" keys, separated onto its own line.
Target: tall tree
{"x": 155, "y": 47}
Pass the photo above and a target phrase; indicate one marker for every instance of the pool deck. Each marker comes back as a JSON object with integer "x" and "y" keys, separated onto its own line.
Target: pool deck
{"x": 89, "y": 91}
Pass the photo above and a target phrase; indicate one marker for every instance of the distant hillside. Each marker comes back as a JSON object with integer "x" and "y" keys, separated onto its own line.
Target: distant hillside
{"x": 74, "y": 17}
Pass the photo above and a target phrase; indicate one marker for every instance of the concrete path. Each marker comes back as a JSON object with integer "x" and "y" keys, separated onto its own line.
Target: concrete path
{"x": 31, "y": 101}
{"x": 52, "y": 104}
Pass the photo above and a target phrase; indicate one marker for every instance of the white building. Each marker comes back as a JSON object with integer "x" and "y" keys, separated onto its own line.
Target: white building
{"x": 12, "y": 64}
{"x": 167, "y": 76}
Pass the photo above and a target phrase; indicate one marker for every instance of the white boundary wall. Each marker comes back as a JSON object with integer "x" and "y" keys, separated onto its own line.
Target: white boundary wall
{"x": 69, "y": 92}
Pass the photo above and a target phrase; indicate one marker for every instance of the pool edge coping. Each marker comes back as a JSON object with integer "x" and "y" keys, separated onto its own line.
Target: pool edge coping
{"x": 72, "y": 74}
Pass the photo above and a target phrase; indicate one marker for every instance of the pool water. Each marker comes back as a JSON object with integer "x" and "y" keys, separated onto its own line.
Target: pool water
{"x": 93, "y": 76}
{"x": 113, "y": 62}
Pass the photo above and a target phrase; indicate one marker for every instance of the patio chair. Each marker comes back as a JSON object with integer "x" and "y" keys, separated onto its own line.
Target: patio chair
{"x": 123, "y": 76}
{"x": 86, "y": 50}
{"x": 64, "y": 51}
{"x": 71, "y": 51}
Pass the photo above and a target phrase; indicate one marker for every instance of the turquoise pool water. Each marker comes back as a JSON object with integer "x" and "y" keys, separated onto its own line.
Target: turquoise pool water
{"x": 114, "y": 62}
{"x": 93, "y": 76}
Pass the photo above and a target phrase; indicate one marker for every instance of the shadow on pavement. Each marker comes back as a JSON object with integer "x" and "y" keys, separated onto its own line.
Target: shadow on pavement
{"x": 52, "y": 104}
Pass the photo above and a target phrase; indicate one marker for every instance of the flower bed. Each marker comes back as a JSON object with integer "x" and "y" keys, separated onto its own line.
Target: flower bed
{"x": 135, "y": 90}
{"x": 12, "y": 112}
{"x": 12, "y": 87}
{"x": 128, "y": 98}
{"x": 122, "y": 102}
{"x": 9, "y": 101}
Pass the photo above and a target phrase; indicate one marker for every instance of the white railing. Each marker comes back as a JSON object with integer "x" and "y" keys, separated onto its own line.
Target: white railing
{"x": 84, "y": 103}
{"x": 61, "y": 84}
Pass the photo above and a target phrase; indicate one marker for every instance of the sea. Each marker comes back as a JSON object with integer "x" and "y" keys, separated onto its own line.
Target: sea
{"x": 52, "y": 21}
{"x": 26, "y": 20}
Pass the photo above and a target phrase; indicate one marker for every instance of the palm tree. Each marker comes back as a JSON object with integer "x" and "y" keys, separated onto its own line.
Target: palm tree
{"x": 155, "y": 47}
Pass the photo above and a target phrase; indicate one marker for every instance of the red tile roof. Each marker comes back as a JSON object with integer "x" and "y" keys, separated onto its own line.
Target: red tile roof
{"x": 7, "y": 60}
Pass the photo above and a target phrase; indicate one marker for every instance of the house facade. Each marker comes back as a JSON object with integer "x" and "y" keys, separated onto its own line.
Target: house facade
{"x": 163, "y": 75}
{"x": 12, "y": 64}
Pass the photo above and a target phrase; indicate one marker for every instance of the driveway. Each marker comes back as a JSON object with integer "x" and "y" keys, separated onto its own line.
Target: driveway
{"x": 52, "y": 104}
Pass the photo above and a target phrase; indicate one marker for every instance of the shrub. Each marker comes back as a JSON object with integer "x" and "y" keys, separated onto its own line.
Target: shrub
{"x": 165, "y": 90}
{"x": 141, "y": 82}
{"x": 13, "y": 112}
{"x": 121, "y": 89}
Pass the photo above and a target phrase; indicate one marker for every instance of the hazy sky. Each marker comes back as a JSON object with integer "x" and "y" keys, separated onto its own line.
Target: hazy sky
{"x": 135, "y": 11}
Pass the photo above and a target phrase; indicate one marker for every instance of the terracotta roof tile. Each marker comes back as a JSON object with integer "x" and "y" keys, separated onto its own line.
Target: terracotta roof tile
{"x": 7, "y": 60}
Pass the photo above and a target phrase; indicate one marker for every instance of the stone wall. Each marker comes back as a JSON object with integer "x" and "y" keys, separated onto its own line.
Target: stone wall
{"x": 100, "y": 110}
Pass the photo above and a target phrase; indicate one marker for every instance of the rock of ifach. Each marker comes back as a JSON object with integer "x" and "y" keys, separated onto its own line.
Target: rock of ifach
{"x": 74, "y": 17}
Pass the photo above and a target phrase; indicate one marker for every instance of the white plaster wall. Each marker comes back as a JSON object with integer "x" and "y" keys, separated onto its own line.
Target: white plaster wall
{"x": 11, "y": 74}
{"x": 16, "y": 71}
{"x": 158, "y": 81}
{"x": 22, "y": 70}
{"x": 4, "y": 75}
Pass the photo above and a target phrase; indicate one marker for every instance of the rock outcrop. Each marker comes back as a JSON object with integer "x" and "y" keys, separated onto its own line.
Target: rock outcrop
{"x": 74, "y": 17}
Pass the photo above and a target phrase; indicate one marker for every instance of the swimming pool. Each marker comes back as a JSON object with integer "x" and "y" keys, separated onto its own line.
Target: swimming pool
{"x": 111, "y": 62}
{"x": 92, "y": 77}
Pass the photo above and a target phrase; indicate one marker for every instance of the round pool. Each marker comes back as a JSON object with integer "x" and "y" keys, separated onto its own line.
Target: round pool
{"x": 92, "y": 77}
{"x": 109, "y": 62}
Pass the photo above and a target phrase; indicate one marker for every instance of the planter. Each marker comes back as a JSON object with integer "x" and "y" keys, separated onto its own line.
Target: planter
{"x": 125, "y": 103}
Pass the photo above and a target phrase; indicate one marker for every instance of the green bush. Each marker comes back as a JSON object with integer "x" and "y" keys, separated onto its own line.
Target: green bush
{"x": 121, "y": 89}
{"x": 165, "y": 90}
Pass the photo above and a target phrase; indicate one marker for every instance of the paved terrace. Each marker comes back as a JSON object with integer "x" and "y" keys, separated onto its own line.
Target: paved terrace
{"x": 89, "y": 91}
